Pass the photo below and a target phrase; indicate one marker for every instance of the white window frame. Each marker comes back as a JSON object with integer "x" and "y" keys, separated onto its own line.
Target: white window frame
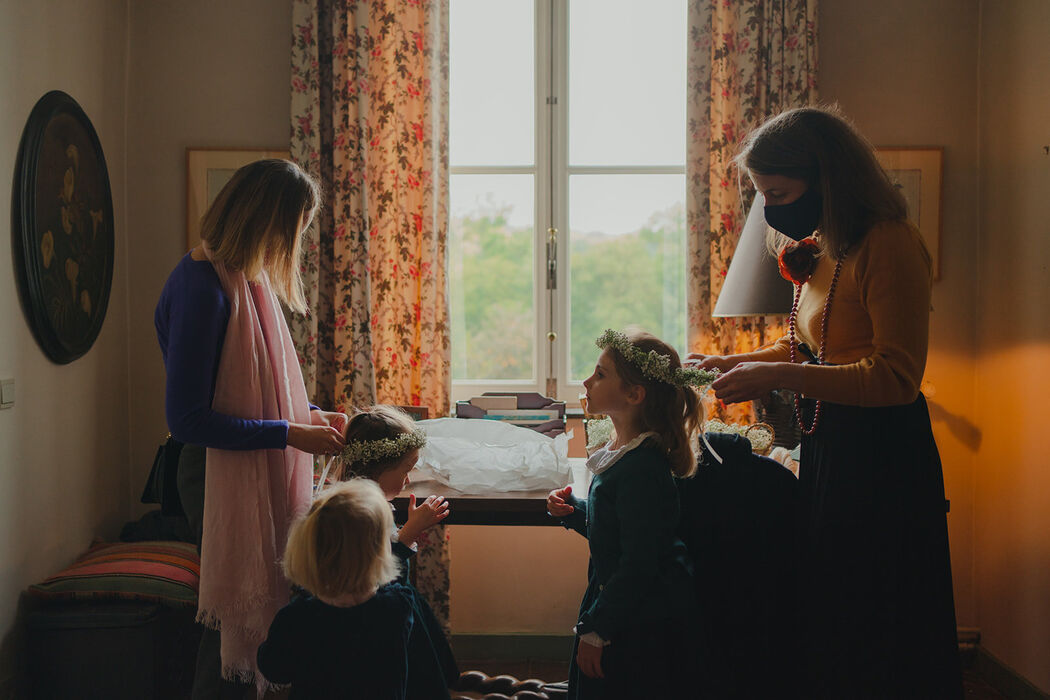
{"x": 551, "y": 172}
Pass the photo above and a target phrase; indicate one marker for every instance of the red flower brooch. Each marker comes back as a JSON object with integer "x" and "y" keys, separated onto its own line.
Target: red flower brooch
{"x": 797, "y": 261}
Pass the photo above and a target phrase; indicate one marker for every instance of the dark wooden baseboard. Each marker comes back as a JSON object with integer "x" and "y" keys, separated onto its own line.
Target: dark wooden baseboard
{"x": 1005, "y": 679}
{"x": 512, "y": 647}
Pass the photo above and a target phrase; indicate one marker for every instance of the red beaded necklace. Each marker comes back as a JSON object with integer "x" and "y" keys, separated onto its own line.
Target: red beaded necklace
{"x": 823, "y": 343}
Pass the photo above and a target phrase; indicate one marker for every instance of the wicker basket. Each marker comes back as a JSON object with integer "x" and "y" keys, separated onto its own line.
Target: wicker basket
{"x": 765, "y": 427}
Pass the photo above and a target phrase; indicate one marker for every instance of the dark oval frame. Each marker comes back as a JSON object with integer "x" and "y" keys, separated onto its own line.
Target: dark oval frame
{"x": 35, "y": 281}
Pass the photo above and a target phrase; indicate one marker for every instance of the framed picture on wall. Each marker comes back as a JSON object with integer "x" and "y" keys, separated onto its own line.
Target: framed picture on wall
{"x": 62, "y": 233}
{"x": 916, "y": 172}
{"x": 207, "y": 171}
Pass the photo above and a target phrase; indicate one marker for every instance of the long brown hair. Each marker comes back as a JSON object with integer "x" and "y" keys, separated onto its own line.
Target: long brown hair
{"x": 256, "y": 224}
{"x": 818, "y": 145}
{"x": 672, "y": 412}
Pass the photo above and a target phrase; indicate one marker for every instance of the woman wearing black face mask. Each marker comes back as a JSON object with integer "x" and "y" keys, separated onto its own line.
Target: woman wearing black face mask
{"x": 876, "y": 608}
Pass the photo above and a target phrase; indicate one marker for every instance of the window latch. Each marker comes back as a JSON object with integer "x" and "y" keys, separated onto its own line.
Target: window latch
{"x": 552, "y": 258}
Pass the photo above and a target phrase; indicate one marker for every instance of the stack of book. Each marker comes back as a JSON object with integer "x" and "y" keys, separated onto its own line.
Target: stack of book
{"x": 529, "y": 410}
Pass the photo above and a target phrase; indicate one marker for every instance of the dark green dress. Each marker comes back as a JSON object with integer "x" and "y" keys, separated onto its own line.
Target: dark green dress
{"x": 639, "y": 585}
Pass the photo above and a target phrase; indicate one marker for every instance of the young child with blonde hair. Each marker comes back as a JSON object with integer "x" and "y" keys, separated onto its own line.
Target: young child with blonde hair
{"x": 632, "y": 634}
{"x": 354, "y": 632}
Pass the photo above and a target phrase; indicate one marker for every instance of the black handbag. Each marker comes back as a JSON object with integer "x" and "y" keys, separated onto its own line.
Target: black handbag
{"x": 162, "y": 485}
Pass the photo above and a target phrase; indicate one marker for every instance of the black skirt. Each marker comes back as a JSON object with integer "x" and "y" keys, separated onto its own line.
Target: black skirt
{"x": 877, "y": 609}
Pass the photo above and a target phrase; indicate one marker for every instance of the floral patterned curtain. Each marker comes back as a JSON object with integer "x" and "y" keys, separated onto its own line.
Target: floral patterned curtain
{"x": 748, "y": 60}
{"x": 370, "y": 121}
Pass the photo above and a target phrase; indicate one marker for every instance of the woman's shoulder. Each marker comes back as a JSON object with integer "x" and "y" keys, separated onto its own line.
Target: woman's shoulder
{"x": 196, "y": 279}
{"x": 893, "y": 237}
{"x": 189, "y": 267}
{"x": 890, "y": 243}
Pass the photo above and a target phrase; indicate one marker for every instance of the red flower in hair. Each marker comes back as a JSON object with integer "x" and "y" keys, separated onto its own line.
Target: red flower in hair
{"x": 797, "y": 261}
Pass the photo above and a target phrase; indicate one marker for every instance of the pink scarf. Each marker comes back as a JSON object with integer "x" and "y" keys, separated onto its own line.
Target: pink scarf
{"x": 251, "y": 496}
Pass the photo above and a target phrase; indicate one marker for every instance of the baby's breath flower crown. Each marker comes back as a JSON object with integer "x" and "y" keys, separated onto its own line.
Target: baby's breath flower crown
{"x": 362, "y": 451}
{"x": 653, "y": 364}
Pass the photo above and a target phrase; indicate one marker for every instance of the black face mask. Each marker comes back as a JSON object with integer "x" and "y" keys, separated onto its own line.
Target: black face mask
{"x": 798, "y": 219}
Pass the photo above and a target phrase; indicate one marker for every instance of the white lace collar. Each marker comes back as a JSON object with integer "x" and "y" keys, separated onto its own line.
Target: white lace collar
{"x": 603, "y": 457}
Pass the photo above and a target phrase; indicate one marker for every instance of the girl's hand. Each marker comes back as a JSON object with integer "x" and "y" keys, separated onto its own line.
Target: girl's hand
{"x": 422, "y": 517}
{"x": 315, "y": 439}
{"x": 723, "y": 363}
{"x": 748, "y": 381}
{"x": 589, "y": 659}
{"x": 333, "y": 418}
{"x": 556, "y": 504}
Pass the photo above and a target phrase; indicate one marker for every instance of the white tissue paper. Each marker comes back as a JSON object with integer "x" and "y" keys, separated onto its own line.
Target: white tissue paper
{"x": 476, "y": 456}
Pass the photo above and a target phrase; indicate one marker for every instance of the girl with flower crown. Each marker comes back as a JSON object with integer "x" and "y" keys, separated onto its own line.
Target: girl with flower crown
{"x": 354, "y": 632}
{"x": 877, "y": 611}
{"x": 632, "y": 629}
{"x": 382, "y": 444}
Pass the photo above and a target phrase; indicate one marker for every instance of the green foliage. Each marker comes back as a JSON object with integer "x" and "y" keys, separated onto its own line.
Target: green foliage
{"x": 616, "y": 281}
{"x": 633, "y": 279}
{"x": 491, "y": 289}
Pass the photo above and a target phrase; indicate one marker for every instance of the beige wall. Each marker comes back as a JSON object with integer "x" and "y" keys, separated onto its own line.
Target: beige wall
{"x": 201, "y": 75}
{"x": 64, "y": 444}
{"x": 906, "y": 73}
{"x": 1012, "y": 518}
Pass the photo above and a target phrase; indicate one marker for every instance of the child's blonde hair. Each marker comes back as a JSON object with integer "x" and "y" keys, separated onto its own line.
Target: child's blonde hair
{"x": 342, "y": 545}
{"x": 672, "y": 412}
{"x": 379, "y": 422}
{"x": 256, "y": 224}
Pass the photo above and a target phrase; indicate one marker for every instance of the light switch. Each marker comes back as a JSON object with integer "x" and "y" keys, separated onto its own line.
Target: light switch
{"x": 7, "y": 393}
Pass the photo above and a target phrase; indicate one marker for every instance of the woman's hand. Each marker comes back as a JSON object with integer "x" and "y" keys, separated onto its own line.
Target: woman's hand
{"x": 333, "y": 418}
{"x": 723, "y": 363}
{"x": 589, "y": 659}
{"x": 422, "y": 517}
{"x": 748, "y": 381}
{"x": 556, "y": 502}
{"x": 315, "y": 439}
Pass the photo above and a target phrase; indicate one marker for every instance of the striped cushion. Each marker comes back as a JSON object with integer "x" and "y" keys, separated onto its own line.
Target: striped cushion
{"x": 162, "y": 572}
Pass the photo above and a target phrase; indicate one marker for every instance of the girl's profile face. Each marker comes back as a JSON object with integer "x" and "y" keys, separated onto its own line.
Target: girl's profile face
{"x": 606, "y": 391}
{"x": 779, "y": 189}
{"x": 395, "y": 480}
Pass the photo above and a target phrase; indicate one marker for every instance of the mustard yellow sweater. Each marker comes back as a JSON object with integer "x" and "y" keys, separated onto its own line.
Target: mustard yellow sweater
{"x": 878, "y": 328}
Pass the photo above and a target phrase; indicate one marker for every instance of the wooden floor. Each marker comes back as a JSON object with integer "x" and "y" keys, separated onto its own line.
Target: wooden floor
{"x": 974, "y": 687}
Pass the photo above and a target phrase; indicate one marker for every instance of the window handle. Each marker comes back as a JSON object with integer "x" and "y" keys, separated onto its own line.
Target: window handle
{"x": 552, "y": 258}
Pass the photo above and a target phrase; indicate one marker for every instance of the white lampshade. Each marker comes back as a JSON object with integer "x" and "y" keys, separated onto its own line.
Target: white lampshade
{"x": 753, "y": 285}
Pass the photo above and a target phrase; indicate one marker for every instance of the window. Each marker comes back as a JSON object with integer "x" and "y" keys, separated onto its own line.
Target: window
{"x": 567, "y": 192}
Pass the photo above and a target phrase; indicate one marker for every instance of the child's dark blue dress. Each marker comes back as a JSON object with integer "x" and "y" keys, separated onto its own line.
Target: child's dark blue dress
{"x": 639, "y": 588}
{"x": 388, "y": 648}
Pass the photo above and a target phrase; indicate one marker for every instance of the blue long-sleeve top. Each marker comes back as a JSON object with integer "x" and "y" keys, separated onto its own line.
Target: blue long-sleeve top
{"x": 191, "y": 319}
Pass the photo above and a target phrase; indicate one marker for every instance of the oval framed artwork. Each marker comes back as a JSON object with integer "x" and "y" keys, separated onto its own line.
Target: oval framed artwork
{"x": 63, "y": 228}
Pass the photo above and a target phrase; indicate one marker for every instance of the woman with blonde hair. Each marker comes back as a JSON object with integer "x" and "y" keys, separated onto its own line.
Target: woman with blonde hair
{"x": 235, "y": 396}
{"x": 877, "y": 610}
